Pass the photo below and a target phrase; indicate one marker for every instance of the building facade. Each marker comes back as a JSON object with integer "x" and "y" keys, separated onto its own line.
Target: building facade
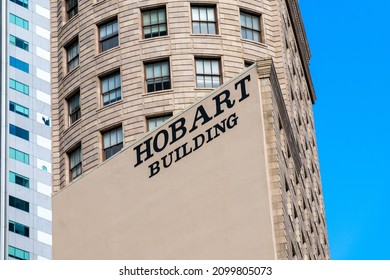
{"x": 122, "y": 68}
{"x": 25, "y": 177}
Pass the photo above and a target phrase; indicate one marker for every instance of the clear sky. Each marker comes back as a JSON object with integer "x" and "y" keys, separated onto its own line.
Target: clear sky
{"x": 350, "y": 46}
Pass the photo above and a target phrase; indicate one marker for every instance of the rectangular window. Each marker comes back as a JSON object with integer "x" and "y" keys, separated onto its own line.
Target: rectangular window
{"x": 20, "y": 43}
{"x": 108, "y": 35}
{"x": 18, "y": 86}
{"x": 18, "y": 21}
{"x": 19, "y": 179}
{"x": 19, "y": 203}
{"x": 19, "y": 155}
{"x": 250, "y": 27}
{"x": 18, "y": 228}
{"x": 154, "y": 23}
{"x": 72, "y": 8}
{"x": 23, "y": 3}
{"x": 19, "y": 109}
{"x": 17, "y": 253}
{"x": 203, "y": 20}
{"x": 157, "y": 76}
{"x": 73, "y": 55}
{"x": 19, "y": 132}
{"x": 75, "y": 163}
{"x": 74, "y": 107}
{"x": 111, "y": 88}
{"x": 157, "y": 121}
{"x": 19, "y": 64}
{"x": 112, "y": 142}
{"x": 208, "y": 73}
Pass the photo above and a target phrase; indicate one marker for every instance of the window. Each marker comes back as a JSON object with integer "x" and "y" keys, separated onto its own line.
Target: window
{"x": 111, "y": 88}
{"x": 157, "y": 121}
{"x": 18, "y": 228}
{"x": 157, "y": 76}
{"x": 208, "y": 73}
{"x": 19, "y": 132}
{"x": 23, "y": 3}
{"x": 18, "y": 21}
{"x": 17, "y": 63}
{"x": 154, "y": 23}
{"x": 250, "y": 27}
{"x": 17, "y": 253}
{"x": 108, "y": 35}
{"x": 19, "y": 155}
{"x": 112, "y": 142}
{"x": 18, "y": 86}
{"x": 72, "y": 8}
{"x": 73, "y": 55}
{"x": 19, "y": 109}
{"x": 74, "y": 107}
{"x": 75, "y": 163}
{"x": 203, "y": 20}
{"x": 19, "y": 179}
{"x": 19, "y": 203}
{"x": 248, "y": 63}
{"x": 20, "y": 43}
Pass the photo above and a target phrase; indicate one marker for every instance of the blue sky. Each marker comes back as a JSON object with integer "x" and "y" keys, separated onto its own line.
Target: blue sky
{"x": 350, "y": 46}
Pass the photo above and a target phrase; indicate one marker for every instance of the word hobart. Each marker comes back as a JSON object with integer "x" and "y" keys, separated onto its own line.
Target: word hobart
{"x": 181, "y": 127}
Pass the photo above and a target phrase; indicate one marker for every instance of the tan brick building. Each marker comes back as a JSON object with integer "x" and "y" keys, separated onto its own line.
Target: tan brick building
{"x": 121, "y": 68}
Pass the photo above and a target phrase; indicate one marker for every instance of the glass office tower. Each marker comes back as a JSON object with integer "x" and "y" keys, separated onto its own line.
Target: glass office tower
{"x": 25, "y": 198}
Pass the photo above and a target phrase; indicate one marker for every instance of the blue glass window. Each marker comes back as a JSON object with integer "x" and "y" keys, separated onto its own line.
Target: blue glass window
{"x": 19, "y": 109}
{"x": 17, "y": 253}
{"x": 18, "y": 228}
{"x": 18, "y": 21}
{"x": 17, "y": 63}
{"x": 19, "y": 132}
{"x": 19, "y": 203}
{"x": 23, "y": 3}
{"x": 18, "y": 86}
{"x": 19, "y": 155}
{"x": 19, "y": 179}
{"x": 20, "y": 43}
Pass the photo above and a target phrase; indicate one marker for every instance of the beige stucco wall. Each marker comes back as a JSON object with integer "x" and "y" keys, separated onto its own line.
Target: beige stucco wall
{"x": 212, "y": 204}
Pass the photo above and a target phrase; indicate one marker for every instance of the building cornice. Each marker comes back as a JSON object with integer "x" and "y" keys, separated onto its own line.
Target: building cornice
{"x": 303, "y": 45}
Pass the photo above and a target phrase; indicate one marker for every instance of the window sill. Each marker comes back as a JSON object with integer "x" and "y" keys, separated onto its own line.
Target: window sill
{"x": 158, "y": 38}
{"x": 206, "y": 35}
{"x": 71, "y": 126}
{"x": 69, "y": 21}
{"x": 114, "y": 49}
{"x": 160, "y": 92}
{"x": 254, "y": 42}
{"x": 106, "y": 107}
{"x": 70, "y": 73}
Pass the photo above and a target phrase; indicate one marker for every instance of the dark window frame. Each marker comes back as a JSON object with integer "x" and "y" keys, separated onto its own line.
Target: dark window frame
{"x": 203, "y": 74}
{"x": 159, "y": 24}
{"x": 108, "y": 41}
{"x": 158, "y": 83}
{"x": 74, "y": 114}
{"x": 112, "y": 148}
{"x": 72, "y": 8}
{"x": 72, "y": 62}
{"x": 116, "y": 91}
{"x": 246, "y": 29}
{"x": 207, "y": 22}
{"x": 76, "y": 170}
